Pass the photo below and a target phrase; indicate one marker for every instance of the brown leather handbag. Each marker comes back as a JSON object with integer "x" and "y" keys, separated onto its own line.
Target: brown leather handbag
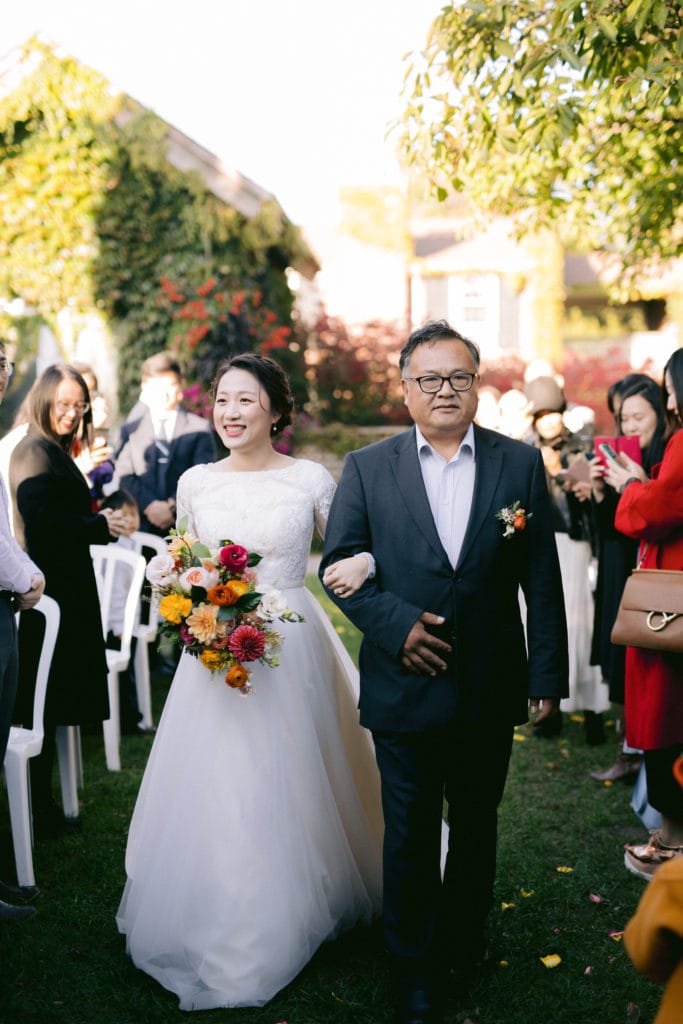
{"x": 651, "y": 611}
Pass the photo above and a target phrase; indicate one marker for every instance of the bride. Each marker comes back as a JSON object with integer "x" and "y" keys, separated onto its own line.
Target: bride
{"x": 257, "y": 830}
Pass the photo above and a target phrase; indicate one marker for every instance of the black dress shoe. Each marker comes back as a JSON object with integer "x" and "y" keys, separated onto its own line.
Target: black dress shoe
{"x": 18, "y": 893}
{"x": 548, "y": 727}
{"x": 8, "y": 912}
{"x": 417, "y": 1003}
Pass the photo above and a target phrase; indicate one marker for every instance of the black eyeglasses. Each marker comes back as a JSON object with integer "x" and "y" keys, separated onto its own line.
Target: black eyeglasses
{"x": 6, "y": 368}
{"x": 433, "y": 382}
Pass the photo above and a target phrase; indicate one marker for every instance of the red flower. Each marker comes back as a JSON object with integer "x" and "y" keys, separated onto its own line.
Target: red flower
{"x": 247, "y": 643}
{"x": 234, "y": 556}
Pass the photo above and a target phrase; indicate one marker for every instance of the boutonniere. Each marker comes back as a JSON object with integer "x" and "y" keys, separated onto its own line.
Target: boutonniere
{"x": 514, "y": 518}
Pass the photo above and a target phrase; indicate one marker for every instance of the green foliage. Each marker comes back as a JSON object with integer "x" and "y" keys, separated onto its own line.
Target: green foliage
{"x": 94, "y": 214}
{"x": 565, "y": 114}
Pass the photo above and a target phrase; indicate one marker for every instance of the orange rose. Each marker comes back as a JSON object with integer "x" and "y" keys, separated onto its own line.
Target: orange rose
{"x": 237, "y": 677}
{"x": 519, "y": 522}
{"x": 222, "y": 594}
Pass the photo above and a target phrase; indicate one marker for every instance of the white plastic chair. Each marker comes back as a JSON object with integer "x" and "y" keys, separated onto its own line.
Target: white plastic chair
{"x": 106, "y": 559}
{"x": 27, "y": 743}
{"x": 146, "y": 632}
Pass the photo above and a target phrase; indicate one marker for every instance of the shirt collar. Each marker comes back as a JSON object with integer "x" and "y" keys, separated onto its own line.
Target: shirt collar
{"x": 466, "y": 445}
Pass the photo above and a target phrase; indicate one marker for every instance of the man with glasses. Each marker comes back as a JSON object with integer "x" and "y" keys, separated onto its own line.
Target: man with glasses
{"x": 457, "y": 518}
{"x": 21, "y": 586}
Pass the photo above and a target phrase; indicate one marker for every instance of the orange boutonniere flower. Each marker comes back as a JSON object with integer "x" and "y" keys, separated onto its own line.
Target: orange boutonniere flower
{"x": 514, "y": 518}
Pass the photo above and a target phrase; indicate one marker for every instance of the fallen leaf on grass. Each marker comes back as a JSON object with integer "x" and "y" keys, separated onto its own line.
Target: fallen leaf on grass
{"x": 565, "y": 753}
{"x": 589, "y": 970}
{"x": 503, "y": 963}
{"x": 616, "y": 936}
{"x": 552, "y": 960}
{"x": 506, "y": 906}
{"x": 576, "y": 718}
{"x": 608, "y": 783}
{"x": 526, "y": 893}
{"x": 519, "y": 737}
{"x": 594, "y": 898}
{"x": 564, "y": 870}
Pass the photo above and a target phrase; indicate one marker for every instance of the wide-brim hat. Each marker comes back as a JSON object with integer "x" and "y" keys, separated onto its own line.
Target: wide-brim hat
{"x": 545, "y": 395}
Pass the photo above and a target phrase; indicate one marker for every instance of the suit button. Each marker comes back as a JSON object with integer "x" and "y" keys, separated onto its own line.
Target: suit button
{"x": 457, "y": 579}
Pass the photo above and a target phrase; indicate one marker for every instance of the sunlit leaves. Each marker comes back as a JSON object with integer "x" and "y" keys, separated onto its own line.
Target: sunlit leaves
{"x": 567, "y": 112}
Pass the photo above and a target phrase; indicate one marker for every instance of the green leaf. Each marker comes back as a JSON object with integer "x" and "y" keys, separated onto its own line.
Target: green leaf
{"x": 200, "y": 550}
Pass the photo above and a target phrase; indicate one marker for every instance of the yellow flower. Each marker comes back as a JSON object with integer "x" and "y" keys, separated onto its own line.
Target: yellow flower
{"x": 174, "y": 607}
{"x": 210, "y": 660}
{"x": 238, "y": 587}
{"x": 202, "y": 622}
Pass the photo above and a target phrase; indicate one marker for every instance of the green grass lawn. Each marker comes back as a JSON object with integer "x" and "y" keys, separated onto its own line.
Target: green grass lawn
{"x": 67, "y": 965}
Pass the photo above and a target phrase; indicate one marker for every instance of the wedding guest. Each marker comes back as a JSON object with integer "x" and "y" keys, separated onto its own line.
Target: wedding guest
{"x": 651, "y": 511}
{"x": 159, "y": 441}
{"x": 457, "y": 518}
{"x": 55, "y": 525}
{"x": 21, "y": 586}
{"x": 643, "y": 417}
{"x": 572, "y": 526}
{"x": 95, "y": 460}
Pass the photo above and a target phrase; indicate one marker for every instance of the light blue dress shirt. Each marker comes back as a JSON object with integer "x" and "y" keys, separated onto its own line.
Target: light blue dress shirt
{"x": 450, "y": 489}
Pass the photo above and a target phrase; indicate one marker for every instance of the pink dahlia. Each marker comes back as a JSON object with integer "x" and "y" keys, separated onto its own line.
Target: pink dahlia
{"x": 247, "y": 643}
{"x": 234, "y": 557}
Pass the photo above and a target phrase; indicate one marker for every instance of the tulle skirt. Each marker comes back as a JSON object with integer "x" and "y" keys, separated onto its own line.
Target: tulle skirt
{"x": 257, "y": 831}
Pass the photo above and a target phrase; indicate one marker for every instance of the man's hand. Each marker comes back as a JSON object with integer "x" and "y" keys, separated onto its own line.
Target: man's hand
{"x": 548, "y": 706}
{"x": 22, "y": 602}
{"x": 160, "y": 515}
{"x": 421, "y": 651}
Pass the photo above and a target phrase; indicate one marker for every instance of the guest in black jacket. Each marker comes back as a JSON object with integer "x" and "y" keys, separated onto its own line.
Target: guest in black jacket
{"x": 55, "y": 525}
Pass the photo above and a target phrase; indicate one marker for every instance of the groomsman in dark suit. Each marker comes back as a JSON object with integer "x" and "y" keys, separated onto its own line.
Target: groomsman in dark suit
{"x": 458, "y": 520}
{"x": 21, "y": 586}
{"x": 158, "y": 442}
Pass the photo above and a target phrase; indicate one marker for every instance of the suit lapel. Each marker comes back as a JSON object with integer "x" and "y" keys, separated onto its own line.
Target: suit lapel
{"x": 489, "y": 463}
{"x": 405, "y": 464}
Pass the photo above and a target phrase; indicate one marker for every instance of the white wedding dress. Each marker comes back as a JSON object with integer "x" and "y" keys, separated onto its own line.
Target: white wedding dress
{"x": 257, "y": 831}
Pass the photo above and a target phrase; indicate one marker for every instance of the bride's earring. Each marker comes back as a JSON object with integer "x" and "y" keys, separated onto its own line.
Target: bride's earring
{"x": 273, "y": 429}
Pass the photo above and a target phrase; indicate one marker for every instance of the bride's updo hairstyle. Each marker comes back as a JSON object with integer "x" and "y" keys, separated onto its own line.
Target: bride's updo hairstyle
{"x": 271, "y": 377}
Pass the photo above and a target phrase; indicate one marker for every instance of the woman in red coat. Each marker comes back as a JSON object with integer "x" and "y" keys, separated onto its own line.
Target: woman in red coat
{"x": 652, "y": 512}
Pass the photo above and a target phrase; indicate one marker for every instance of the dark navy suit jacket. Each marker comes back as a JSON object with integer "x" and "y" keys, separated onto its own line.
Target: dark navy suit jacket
{"x": 136, "y": 457}
{"x": 381, "y": 506}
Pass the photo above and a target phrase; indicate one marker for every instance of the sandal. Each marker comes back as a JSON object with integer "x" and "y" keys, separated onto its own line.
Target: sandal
{"x": 644, "y": 859}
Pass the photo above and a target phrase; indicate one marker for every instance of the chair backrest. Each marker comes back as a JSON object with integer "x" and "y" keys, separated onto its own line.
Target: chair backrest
{"x": 49, "y": 609}
{"x": 107, "y": 559}
{"x": 150, "y": 541}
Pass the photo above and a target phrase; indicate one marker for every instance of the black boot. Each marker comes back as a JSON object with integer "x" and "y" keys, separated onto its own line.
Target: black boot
{"x": 594, "y": 725}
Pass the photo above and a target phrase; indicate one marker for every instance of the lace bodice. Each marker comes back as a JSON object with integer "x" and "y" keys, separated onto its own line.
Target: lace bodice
{"x": 272, "y": 512}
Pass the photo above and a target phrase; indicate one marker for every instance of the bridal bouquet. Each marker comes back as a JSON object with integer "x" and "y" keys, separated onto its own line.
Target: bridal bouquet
{"x": 209, "y": 606}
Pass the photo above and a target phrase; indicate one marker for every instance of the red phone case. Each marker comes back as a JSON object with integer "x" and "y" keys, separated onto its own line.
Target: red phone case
{"x": 628, "y": 445}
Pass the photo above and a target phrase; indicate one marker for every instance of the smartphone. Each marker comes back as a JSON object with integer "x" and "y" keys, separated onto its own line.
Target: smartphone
{"x": 609, "y": 452}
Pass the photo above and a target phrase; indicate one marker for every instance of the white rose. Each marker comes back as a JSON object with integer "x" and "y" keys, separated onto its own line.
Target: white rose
{"x": 161, "y": 571}
{"x": 273, "y": 604}
{"x": 198, "y": 576}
